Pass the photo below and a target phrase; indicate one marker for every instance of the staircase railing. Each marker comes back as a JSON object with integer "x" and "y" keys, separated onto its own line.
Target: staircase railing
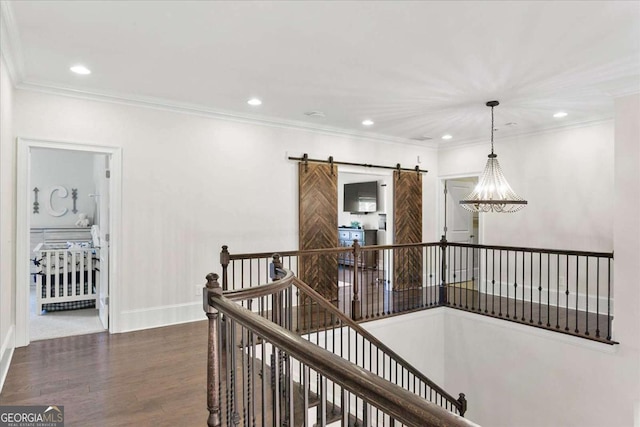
{"x": 566, "y": 291}
{"x": 260, "y": 372}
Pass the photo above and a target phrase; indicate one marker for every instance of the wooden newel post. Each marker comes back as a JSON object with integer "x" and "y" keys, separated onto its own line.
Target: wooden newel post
{"x": 276, "y": 273}
{"x": 211, "y": 289}
{"x": 442, "y": 300}
{"x": 224, "y": 262}
{"x": 356, "y": 312}
{"x": 463, "y": 404}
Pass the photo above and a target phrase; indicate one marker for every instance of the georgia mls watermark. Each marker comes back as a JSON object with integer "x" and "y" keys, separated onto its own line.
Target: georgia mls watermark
{"x": 32, "y": 416}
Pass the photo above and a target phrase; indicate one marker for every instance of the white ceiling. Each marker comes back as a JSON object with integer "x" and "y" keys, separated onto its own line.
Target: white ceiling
{"x": 415, "y": 68}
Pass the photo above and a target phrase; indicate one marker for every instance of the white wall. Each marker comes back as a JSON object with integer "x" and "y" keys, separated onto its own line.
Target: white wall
{"x": 192, "y": 184}
{"x": 69, "y": 169}
{"x": 7, "y": 221}
{"x": 419, "y": 339}
{"x": 627, "y": 244}
{"x": 516, "y": 376}
{"x": 565, "y": 175}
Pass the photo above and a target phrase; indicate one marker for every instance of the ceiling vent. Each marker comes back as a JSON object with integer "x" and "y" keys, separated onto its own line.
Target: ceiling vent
{"x": 314, "y": 114}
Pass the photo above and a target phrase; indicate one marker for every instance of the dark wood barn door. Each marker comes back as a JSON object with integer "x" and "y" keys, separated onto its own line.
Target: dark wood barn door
{"x": 407, "y": 226}
{"x": 318, "y": 222}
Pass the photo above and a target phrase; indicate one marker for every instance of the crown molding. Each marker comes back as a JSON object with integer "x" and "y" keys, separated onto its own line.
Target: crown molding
{"x": 10, "y": 45}
{"x": 485, "y": 141}
{"x": 199, "y": 110}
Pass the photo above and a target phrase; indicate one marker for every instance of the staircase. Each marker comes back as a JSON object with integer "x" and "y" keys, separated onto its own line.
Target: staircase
{"x": 281, "y": 355}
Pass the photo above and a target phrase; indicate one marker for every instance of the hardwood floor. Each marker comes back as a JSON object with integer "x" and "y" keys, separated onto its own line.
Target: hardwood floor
{"x": 158, "y": 376}
{"x": 153, "y": 377}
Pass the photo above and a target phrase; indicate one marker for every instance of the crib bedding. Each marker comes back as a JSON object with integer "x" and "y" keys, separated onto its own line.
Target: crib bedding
{"x": 70, "y": 305}
{"x": 70, "y": 282}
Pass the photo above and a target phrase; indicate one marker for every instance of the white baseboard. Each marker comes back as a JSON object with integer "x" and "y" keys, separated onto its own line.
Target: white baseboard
{"x": 555, "y": 298}
{"x": 6, "y": 354}
{"x": 155, "y": 317}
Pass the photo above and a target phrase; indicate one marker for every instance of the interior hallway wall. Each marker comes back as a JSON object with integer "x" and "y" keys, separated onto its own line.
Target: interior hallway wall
{"x": 516, "y": 375}
{"x": 193, "y": 183}
{"x": 7, "y": 220}
{"x": 566, "y": 176}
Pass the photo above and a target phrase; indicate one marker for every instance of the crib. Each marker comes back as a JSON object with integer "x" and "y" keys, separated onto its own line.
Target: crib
{"x": 67, "y": 278}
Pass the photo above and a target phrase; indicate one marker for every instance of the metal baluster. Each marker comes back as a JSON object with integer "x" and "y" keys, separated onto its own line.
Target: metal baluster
{"x": 493, "y": 281}
{"x": 507, "y": 281}
{"x": 305, "y": 395}
{"x": 466, "y": 296}
{"x": 275, "y": 384}
{"x": 322, "y": 415}
{"x": 586, "y": 332}
{"x": 530, "y": 287}
{"x": 609, "y": 300}
{"x": 486, "y": 281}
{"x": 548, "y": 290}
{"x": 515, "y": 285}
{"x": 500, "y": 284}
{"x": 558, "y": 291}
{"x": 540, "y": 288}
{"x": 523, "y": 287}
{"x": 453, "y": 273}
{"x": 597, "y": 297}
{"x": 577, "y": 294}
{"x": 566, "y": 325}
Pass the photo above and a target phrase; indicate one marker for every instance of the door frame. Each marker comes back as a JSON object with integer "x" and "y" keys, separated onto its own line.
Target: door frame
{"x": 23, "y": 225}
{"x": 441, "y": 202}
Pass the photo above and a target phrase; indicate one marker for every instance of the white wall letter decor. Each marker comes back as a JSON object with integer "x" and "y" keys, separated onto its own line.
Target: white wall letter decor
{"x": 62, "y": 194}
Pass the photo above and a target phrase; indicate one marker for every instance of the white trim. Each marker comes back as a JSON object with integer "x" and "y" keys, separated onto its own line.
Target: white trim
{"x": 440, "y": 201}
{"x": 6, "y": 354}
{"x": 509, "y": 138}
{"x": 202, "y": 111}
{"x": 554, "y": 296}
{"x": 24, "y": 146}
{"x": 371, "y": 325}
{"x": 160, "y": 316}
{"x": 10, "y": 45}
{"x": 539, "y": 332}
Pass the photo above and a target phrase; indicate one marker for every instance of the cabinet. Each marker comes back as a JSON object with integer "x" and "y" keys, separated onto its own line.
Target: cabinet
{"x": 346, "y": 236}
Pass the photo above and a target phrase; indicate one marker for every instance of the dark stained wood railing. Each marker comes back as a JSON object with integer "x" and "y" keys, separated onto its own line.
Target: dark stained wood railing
{"x": 261, "y": 372}
{"x": 566, "y": 291}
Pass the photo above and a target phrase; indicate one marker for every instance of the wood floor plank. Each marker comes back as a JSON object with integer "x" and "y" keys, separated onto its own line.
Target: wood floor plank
{"x": 152, "y": 377}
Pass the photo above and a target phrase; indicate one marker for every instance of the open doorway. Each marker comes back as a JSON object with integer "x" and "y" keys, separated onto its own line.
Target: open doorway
{"x": 458, "y": 225}
{"x": 64, "y": 277}
{"x": 67, "y": 267}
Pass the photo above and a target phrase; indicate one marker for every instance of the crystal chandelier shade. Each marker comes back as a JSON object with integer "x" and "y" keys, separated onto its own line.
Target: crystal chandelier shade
{"x": 493, "y": 193}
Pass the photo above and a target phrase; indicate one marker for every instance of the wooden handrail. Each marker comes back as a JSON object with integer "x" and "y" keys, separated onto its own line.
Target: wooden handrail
{"x": 359, "y": 329}
{"x": 261, "y": 290}
{"x": 534, "y": 250}
{"x": 419, "y": 245}
{"x": 399, "y": 403}
{"x": 289, "y": 278}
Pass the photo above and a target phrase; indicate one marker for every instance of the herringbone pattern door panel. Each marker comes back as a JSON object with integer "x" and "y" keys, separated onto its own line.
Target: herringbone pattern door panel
{"x": 407, "y": 226}
{"x": 318, "y": 204}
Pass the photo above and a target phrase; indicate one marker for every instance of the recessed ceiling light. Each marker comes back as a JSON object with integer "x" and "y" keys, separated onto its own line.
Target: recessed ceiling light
{"x": 254, "y": 101}
{"x": 367, "y": 122}
{"x": 80, "y": 69}
{"x": 560, "y": 114}
{"x": 446, "y": 137}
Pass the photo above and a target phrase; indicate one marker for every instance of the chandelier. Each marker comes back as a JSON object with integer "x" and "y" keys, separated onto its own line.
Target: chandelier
{"x": 493, "y": 193}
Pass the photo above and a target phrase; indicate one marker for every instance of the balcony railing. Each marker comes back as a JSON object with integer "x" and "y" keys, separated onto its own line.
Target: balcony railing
{"x": 566, "y": 291}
